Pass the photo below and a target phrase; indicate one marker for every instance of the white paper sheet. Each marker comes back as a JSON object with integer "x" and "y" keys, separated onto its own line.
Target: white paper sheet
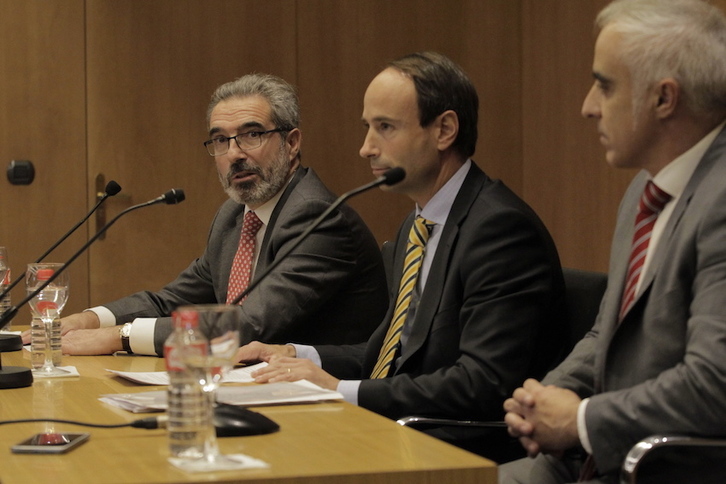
{"x": 236, "y": 375}
{"x": 301, "y": 391}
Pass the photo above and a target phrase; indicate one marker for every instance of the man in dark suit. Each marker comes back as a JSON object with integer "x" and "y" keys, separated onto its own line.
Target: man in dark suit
{"x": 484, "y": 309}
{"x": 654, "y": 360}
{"x": 330, "y": 290}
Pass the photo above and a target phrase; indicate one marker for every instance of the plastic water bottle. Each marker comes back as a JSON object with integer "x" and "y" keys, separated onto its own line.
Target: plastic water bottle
{"x": 187, "y": 403}
{"x": 5, "y": 302}
{"x": 38, "y": 337}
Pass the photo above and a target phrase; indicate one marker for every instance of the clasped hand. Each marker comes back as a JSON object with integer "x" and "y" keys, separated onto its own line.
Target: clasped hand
{"x": 544, "y": 418}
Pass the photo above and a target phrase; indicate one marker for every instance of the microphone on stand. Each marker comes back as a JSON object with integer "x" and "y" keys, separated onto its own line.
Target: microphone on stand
{"x": 112, "y": 188}
{"x": 173, "y": 196}
{"x": 391, "y": 177}
{"x": 16, "y": 376}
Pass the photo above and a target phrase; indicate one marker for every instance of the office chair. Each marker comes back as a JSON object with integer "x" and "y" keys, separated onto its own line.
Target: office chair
{"x": 583, "y": 294}
{"x": 675, "y": 459}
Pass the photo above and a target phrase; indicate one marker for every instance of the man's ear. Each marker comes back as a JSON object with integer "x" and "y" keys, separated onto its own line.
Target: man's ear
{"x": 667, "y": 94}
{"x": 448, "y": 129}
{"x": 293, "y": 139}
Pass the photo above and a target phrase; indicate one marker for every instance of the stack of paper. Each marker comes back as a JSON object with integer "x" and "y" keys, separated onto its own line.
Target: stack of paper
{"x": 237, "y": 375}
{"x": 249, "y": 395}
{"x": 264, "y": 394}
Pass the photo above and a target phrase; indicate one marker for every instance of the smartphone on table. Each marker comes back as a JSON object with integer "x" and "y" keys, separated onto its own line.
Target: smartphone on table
{"x": 50, "y": 443}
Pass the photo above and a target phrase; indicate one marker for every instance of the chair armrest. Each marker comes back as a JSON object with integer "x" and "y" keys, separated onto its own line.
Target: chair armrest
{"x": 644, "y": 448}
{"x": 414, "y": 421}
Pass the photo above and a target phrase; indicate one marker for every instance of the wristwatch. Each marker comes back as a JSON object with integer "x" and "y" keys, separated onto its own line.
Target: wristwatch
{"x": 125, "y": 332}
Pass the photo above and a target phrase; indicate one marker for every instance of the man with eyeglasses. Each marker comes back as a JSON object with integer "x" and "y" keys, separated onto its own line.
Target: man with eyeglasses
{"x": 331, "y": 289}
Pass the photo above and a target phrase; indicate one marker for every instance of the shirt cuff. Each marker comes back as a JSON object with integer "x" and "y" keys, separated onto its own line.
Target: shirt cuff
{"x": 141, "y": 337}
{"x": 349, "y": 390}
{"x": 582, "y": 426}
{"x": 307, "y": 352}
{"x": 105, "y": 316}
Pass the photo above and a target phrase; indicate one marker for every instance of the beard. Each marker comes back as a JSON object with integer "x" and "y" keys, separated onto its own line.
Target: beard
{"x": 255, "y": 193}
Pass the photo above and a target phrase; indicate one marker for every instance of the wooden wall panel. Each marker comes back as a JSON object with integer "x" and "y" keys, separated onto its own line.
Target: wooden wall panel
{"x": 42, "y": 119}
{"x": 566, "y": 178}
{"x": 152, "y": 67}
{"x": 342, "y": 45}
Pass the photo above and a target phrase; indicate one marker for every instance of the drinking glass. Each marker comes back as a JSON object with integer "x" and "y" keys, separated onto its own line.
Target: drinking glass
{"x": 217, "y": 322}
{"x": 47, "y": 305}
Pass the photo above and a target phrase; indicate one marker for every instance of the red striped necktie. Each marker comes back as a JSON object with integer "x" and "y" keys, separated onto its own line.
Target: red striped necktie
{"x": 651, "y": 204}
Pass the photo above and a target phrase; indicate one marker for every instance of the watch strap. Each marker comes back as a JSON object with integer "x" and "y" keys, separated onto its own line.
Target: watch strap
{"x": 125, "y": 332}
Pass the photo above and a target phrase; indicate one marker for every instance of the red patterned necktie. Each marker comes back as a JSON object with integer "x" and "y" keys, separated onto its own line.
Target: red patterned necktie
{"x": 651, "y": 204}
{"x": 417, "y": 238}
{"x": 239, "y": 276}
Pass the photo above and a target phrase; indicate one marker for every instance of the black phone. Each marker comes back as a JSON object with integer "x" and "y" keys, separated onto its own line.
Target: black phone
{"x": 50, "y": 443}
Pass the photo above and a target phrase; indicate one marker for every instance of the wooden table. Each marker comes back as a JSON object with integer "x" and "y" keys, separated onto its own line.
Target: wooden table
{"x": 332, "y": 442}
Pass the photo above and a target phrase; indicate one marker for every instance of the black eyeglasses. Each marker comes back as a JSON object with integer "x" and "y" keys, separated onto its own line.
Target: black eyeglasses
{"x": 245, "y": 141}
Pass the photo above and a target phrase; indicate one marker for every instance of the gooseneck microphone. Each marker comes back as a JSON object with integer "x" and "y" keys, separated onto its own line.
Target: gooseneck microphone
{"x": 173, "y": 196}
{"x": 112, "y": 188}
{"x": 391, "y": 177}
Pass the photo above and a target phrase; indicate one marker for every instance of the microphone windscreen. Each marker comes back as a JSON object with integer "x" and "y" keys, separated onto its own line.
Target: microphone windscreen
{"x": 112, "y": 188}
{"x": 175, "y": 195}
{"x": 394, "y": 175}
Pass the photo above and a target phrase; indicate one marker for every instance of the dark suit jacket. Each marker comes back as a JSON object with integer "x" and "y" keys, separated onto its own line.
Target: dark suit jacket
{"x": 663, "y": 369}
{"x": 331, "y": 289}
{"x": 487, "y": 318}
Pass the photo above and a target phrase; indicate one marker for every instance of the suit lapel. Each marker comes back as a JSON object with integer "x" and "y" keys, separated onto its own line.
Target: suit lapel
{"x": 266, "y": 256}
{"x": 659, "y": 257}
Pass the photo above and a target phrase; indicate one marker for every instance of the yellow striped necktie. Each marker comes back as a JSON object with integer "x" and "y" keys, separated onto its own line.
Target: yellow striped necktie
{"x": 417, "y": 238}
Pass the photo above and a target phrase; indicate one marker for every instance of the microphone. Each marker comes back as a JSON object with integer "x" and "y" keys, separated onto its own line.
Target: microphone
{"x": 112, "y": 188}
{"x": 391, "y": 177}
{"x": 173, "y": 196}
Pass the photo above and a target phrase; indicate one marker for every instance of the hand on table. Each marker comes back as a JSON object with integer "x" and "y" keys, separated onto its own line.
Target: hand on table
{"x": 83, "y": 320}
{"x": 100, "y": 341}
{"x": 283, "y": 366}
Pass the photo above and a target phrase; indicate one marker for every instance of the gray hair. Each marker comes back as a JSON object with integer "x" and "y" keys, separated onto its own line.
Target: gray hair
{"x": 682, "y": 39}
{"x": 281, "y": 95}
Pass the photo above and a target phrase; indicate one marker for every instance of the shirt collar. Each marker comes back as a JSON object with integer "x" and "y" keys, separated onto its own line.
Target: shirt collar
{"x": 674, "y": 177}
{"x": 438, "y": 208}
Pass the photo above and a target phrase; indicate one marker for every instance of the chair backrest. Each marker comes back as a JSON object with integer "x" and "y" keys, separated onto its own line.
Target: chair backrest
{"x": 583, "y": 294}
